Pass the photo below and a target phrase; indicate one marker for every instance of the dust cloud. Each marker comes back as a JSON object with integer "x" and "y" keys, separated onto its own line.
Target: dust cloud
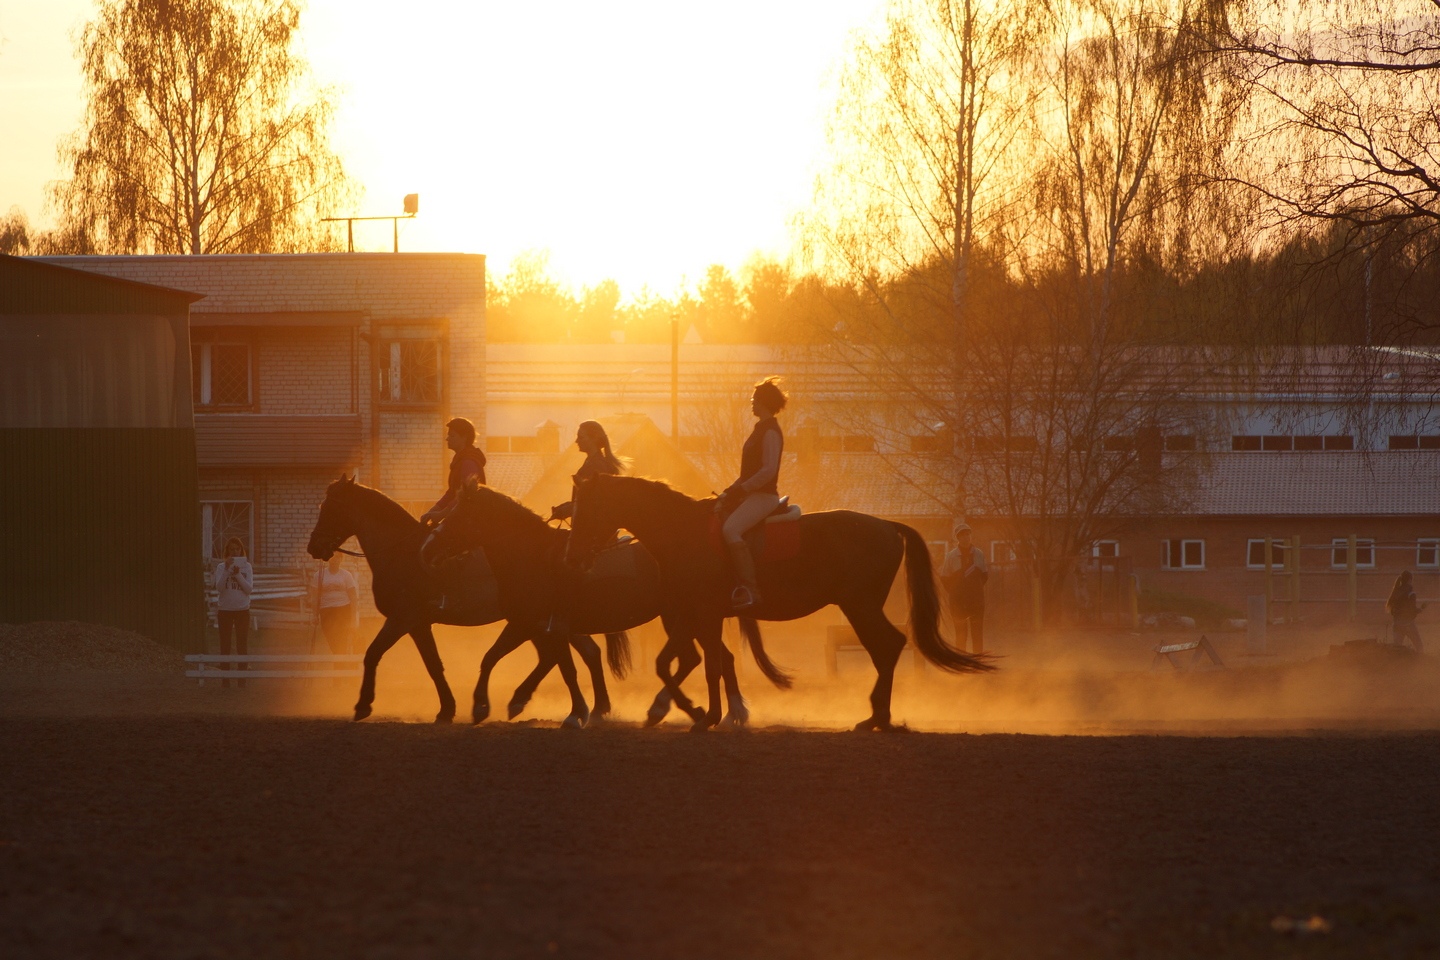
{"x": 1075, "y": 683}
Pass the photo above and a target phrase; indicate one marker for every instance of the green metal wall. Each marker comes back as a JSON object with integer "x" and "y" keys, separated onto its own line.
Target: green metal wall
{"x": 103, "y": 526}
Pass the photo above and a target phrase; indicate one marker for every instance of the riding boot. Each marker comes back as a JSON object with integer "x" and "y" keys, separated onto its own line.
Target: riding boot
{"x": 747, "y": 594}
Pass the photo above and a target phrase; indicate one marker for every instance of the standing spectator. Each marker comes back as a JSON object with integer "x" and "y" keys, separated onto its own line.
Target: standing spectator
{"x": 1402, "y": 608}
{"x": 963, "y": 575}
{"x": 338, "y": 600}
{"x": 234, "y": 579}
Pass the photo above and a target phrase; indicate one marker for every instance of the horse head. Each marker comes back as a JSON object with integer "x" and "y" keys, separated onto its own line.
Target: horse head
{"x": 336, "y": 522}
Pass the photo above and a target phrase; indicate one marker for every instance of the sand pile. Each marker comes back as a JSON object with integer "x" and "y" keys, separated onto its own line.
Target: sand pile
{"x": 58, "y": 646}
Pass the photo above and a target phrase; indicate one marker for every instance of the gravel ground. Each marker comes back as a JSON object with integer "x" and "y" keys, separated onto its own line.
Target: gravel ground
{"x": 60, "y": 646}
{"x": 141, "y": 816}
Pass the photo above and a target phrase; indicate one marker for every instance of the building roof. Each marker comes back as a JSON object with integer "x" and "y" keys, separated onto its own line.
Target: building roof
{"x": 32, "y": 286}
{"x": 1392, "y": 483}
{"x": 258, "y": 440}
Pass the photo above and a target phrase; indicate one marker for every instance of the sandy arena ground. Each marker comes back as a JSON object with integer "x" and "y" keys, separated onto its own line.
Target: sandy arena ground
{"x": 141, "y": 816}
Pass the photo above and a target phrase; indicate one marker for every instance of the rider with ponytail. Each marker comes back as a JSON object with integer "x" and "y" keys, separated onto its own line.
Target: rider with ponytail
{"x": 599, "y": 459}
{"x": 750, "y": 499}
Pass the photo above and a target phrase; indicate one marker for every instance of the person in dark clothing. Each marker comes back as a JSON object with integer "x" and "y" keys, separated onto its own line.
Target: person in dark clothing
{"x": 467, "y": 464}
{"x": 963, "y": 574}
{"x": 460, "y": 583}
{"x": 753, "y": 497}
{"x": 1403, "y": 610}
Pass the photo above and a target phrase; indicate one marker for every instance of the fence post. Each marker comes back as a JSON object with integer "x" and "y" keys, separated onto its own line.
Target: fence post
{"x": 1351, "y": 575}
{"x": 1293, "y": 556}
{"x": 1269, "y": 579}
{"x": 1134, "y": 586}
{"x": 1035, "y": 597}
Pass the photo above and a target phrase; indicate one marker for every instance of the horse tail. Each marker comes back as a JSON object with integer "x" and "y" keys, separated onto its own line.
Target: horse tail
{"x": 617, "y": 653}
{"x": 925, "y": 609}
{"x": 750, "y": 631}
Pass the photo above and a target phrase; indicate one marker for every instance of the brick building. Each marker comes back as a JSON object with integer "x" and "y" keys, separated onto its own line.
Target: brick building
{"x": 304, "y": 366}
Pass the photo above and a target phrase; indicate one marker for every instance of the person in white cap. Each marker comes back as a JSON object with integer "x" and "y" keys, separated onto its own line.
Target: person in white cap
{"x": 963, "y": 575}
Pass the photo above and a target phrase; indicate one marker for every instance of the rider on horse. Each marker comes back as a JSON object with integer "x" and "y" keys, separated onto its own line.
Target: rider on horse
{"x": 753, "y": 497}
{"x": 468, "y": 463}
{"x": 599, "y": 459}
{"x": 462, "y": 582}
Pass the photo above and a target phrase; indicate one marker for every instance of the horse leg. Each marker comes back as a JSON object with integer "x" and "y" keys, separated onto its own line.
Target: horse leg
{"x": 559, "y": 649}
{"x": 680, "y": 647}
{"x": 718, "y": 658}
{"x": 424, "y": 639}
{"x": 390, "y": 633}
{"x": 589, "y": 651}
{"x": 510, "y": 638}
{"x": 544, "y": 662}
{"x": 883, "y": 642}
{"x": 739, "y": 713}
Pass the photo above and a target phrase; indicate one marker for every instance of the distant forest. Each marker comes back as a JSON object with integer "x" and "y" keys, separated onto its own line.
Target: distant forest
{"x": 1312, "y": 291}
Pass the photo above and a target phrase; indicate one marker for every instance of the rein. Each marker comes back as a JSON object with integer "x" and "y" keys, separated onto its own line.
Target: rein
{"x": 349, "y": 553}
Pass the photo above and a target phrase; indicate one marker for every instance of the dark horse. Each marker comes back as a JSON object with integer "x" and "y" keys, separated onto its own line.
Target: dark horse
{"x": 846, "y": 558}
{"x": 493, "y": 522}
{"x": 527, "y": 553}
{"x": 406, "y": 593}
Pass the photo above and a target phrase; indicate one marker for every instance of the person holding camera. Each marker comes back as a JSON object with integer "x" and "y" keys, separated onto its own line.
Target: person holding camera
{"x": 234, "y": 580}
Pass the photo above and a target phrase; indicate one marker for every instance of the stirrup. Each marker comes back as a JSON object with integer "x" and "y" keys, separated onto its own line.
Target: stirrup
{"x": 743, "y": 598}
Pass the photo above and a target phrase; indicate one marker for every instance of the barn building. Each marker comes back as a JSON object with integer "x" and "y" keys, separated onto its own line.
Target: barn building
{"x": 98, "y": 479}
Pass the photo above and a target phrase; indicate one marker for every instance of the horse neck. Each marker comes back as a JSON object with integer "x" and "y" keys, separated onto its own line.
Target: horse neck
{"x": 663, "y": 522}
{"x": 382, "y": 532}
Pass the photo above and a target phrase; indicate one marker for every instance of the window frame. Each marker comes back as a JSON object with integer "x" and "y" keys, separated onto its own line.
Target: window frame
{"x": 1009, "y": 546}
{"x": 202, "y": 353}
{"x": 1095, "y": 546}
{"x": 208, "y": 543}
{"x": 1167, "y": 547}
{"x": 1433, "y": 545}
{"x": 385, "y": 365}
{"x": 1339, "y": 549}
{"x": 1279, "y": 550}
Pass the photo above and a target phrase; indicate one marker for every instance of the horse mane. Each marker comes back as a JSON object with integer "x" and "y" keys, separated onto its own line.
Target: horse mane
{"x": 387, "y": 508}
{"x": 659, "y": 487}
{"x": 507, "y": 507}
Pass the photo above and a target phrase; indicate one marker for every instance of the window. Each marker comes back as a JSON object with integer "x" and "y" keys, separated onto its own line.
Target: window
{"x": 1105, "y": 548}
{"x": 1180, "y": 443}
{"x": 1250, "y": 443}
{"x": 220, "y": 374}
{"x": 1364, "y": 554}
{"x": 926, "y": 443}
{"x": 1003, "y": 551}
{"x": 222, "y": 519}
{"x": 410, "y": 371}
{"x": 1427, "y": 553}
{"x": 1183, "y": 554}
{"x": 1422, "y": 442}
{"x": 859, "y": 444}
{"x": 1255, "y": 554}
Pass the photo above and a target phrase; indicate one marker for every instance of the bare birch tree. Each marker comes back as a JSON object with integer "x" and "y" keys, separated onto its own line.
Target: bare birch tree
{"x": 201, "y": 134}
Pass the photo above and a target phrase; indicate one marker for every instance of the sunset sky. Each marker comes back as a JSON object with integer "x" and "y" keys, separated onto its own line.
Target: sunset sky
{"x": 635, "y": 140}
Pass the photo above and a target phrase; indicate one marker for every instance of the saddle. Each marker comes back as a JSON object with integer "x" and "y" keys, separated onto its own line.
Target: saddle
{"x": 471, "y": 594}
{"x": 775, "y": 538}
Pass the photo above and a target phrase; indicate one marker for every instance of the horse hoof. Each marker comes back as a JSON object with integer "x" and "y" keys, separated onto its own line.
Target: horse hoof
{"x": 733, "y": 722}
{"x": 653, "y": 718}
{"x": 480, "y": 713}
{"x": 515, "y": 708}
{"x": 445, "y": 716}
{"x": 698, "y": 715}
{"x": 572, "y": 722}
{"x": 865, "y": 725}
{"x": 361, "y": 712}
{"x": 700, "y": 726}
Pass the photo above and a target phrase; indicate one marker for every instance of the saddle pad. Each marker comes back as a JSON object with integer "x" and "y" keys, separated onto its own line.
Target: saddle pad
{"x": 616, "y": 561}
{"x": 778, "y": 538}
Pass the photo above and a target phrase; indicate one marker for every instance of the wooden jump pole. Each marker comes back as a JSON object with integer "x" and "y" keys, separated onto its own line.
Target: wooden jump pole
{"x": 1352, "y": 576}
